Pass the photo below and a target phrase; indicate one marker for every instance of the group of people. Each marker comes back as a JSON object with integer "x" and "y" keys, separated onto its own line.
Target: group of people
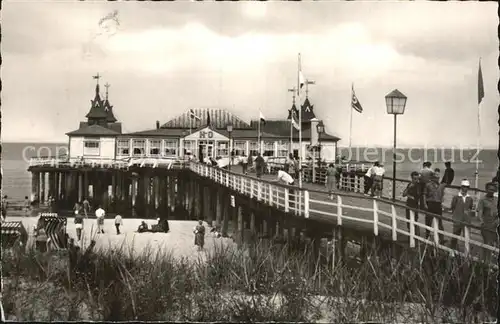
{"x": 426, "y": 192}
{"x": 82, "y": 211}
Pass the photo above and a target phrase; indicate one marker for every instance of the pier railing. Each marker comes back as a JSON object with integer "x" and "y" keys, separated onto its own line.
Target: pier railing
{"x": 66, "y": 162}
{"x": 383, "y": 217}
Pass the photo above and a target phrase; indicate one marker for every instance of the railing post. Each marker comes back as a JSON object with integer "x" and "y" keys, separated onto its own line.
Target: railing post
{"x": 412, "y": 229}
{"x": 375, "y": 217}
{"x": 467, "y": 240}
{"x": 227, "y": 178}
{"x": 242, "y": 184}
{"x": 259, "y": 190}
{"x": 287, "y": 201}
{"x": 435, "y": 230}
{"x": 306, "y": 203}
{"x": 270, "y": 195}
{"x": 356, "y": 183}
{"x": 339, "y": 210}
{"x": 394, "y": 224}
{"x": 251, "y": 188}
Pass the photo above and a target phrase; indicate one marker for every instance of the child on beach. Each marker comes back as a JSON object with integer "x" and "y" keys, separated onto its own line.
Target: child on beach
{"x": 78, "y": 225}
{"x": 99, "y": 213}
{"x": 118, "y": 223}
{"x": 199, "y": 235}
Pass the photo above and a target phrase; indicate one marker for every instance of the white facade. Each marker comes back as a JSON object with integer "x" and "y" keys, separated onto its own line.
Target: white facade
{"x": 92, "y": 147}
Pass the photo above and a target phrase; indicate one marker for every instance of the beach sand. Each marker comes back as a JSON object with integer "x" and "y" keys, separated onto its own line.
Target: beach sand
{"x": 179, "y": 241}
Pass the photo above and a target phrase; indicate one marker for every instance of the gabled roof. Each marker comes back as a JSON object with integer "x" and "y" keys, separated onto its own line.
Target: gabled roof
{"x": 93, "y": 130}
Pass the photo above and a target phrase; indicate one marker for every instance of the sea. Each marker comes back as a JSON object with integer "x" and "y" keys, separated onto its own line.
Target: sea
{"x": 16, "y": 180}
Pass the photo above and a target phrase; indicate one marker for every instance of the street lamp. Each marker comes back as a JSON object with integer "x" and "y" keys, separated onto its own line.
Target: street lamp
{"x": 321, "y": 129}
{"x": 395, "y": 102}
{"x": 229, "y": 128}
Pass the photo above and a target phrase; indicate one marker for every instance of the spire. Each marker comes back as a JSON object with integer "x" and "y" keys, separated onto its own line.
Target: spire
{"x": 107, "y": 106}
{"x": 97, "y": 77}
{"x": 97, "y": 111}
{"x": 294, "y": 108}
{"x": 107, "y": 85}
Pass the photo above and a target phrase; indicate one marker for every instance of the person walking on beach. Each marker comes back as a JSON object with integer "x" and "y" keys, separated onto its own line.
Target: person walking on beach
{"x": 432, "y": 203}
{"x": 378, "y": 178}
{"x": 331, "y": 180}
{"x": 99, "y": 213}
{"x": 449, "y": 174}
{"x": 413, "y": 195}
{"x": 368, "y": 178}
{"x": 461, "y": 208}
{"x": 78, "y": 225}
{"x": 86, "y": 207}
{"x": 487, "y": 213}
{"x": 118, "y": 223}
{"x": 199, "y": 235}
{"x": 259, "y": 165}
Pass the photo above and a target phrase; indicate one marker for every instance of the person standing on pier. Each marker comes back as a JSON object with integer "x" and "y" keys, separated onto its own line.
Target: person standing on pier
{"x": 244, "y": 163}
{"x": 432, "y": 203}
{"x": 99, "y": 213}
{"x": 413, "y": 195}
{"x": 449, "y": 174}
{"x": 259, "y": 165}
{"x": 368, "y": 178}
{"x": 378, "y": 178}
{"x": 461, "y": 207}
{"x": 487, "y": 213}
{"x": 199, "y": 235}
{"x": 331, "y": 180}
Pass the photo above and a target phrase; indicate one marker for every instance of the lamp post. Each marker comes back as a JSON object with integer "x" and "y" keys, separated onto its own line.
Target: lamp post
{"x": 321, "y": 129}
{"x": 395, "y": 102}
{"x": 229, "y": 128}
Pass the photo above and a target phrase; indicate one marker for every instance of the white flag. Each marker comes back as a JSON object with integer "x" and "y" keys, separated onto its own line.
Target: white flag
{"x": 262, "y": 118}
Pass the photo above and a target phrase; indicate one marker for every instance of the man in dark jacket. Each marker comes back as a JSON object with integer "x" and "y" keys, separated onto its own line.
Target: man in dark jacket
{"x": 259, "y": 165}
{"x": 449, "y": 174}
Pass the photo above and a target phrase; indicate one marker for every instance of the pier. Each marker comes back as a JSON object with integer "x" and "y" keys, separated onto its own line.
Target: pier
{"x": 244, "y": 207}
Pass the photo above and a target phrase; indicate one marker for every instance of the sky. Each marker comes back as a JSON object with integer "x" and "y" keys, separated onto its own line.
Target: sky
{"x": 162, "y": 59}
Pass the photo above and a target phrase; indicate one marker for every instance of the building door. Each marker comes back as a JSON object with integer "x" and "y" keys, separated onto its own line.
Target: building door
{"x": 207, "y": 148}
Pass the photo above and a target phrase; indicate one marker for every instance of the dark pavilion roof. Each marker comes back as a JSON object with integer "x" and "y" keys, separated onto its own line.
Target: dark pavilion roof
{"x": 109, "y": 111}
{"x": 93, "y": 130}
{"x": 219, "y": 118}
{"x": 97, "y": 110}
{"x": 307, "y": 111}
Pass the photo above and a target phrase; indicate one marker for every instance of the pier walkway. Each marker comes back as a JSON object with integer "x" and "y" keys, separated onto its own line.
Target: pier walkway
{"x": 352, "y": 210}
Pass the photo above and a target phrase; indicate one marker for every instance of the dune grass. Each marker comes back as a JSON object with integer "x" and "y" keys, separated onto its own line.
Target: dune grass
{"x": 264, "y": 282}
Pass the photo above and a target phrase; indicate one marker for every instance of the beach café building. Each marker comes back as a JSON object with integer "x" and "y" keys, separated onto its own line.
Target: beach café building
{"x": 195, "y": 132}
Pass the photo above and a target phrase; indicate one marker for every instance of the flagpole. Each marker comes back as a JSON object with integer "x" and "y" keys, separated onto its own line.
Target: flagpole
{"x": 258, "y": 135}
{"x": 300, "y": 122}
{"x": 350, "y": 123}
{"x": 480, "y": 75}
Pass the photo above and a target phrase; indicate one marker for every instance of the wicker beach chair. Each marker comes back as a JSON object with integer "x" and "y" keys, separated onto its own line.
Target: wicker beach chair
{"x": 55, "y": 227}
{"x": 13, "y": 233}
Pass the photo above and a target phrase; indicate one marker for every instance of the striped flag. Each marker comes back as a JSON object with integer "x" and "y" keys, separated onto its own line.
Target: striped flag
{"x": 355, "y": 103}
{"x": 192, "y": 115}
{"x": 480, "y": 85}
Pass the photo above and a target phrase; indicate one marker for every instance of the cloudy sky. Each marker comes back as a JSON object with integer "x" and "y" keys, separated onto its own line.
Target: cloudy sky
{"x": 164, "y": 58}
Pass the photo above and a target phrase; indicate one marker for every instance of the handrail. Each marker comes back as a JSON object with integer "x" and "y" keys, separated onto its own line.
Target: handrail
{"x": 278, "y": 195}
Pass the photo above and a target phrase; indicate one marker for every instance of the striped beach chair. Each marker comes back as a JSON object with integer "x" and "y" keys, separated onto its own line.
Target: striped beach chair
{"x": 55, "y": 227}
{"x": 13, "y": 232}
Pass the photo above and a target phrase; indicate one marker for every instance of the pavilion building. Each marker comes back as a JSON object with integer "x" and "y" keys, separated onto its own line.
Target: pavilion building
{"x": 196, "y": 131}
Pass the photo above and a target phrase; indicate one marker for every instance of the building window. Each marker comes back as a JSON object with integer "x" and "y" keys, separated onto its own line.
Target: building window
{"x": 170, "y": 148}
{"x": 239, "y": 148}
{"x": 222, "y": 149}
{"x": 268, "y": 148}
{"x": 138, "y": 147}
{"x": 283, "y": 147}
{"x": 189, "y": 147}
{"x": 154, "y": 147}
{"x": 123, "y": 147}
{"x": 254, "y": 148}
{"x": 91, "y": 147}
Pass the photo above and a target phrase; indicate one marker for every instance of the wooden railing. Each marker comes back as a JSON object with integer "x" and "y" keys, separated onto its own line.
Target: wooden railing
{"x": 64, "y": 161}
{"x": 379, "y": 215}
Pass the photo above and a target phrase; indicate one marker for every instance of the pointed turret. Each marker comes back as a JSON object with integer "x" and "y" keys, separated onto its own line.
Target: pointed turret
{"x": 307, "y": 111}
{"x": 97, "y": 113}
{"x": 108, "y": 108}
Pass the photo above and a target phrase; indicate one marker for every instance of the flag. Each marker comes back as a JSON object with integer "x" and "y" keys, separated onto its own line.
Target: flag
{"x": 480, "y": 85}
{"x": 302, "y": 80}
{"x": 208, "y": 118}
{"x": 261, "y": 118}
{"x": 295, "y": 119}
{"x": 193, "y": 115}
{"x": 355, "y": 103}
